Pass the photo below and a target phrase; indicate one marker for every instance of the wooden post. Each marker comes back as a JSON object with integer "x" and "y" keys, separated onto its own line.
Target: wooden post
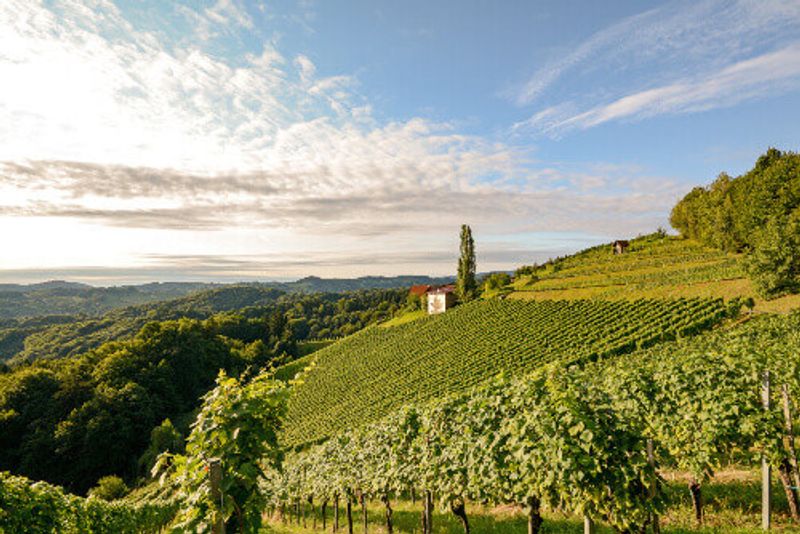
{"x": 588, "y": 525}
{"x": 651, "y": 459}
{"x": 787, "y": 415}
{"x": 336, "y": 513}
{"x": 429, "y": 511}
{"x": 766, "y": 488}
{"x": 215, "y": 477}
{"x": 787, "y": 470}
{"x": 364, "y": 512}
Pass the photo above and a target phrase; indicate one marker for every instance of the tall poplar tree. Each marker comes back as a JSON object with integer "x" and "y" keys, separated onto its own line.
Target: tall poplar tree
{"x": 466, "y": 286}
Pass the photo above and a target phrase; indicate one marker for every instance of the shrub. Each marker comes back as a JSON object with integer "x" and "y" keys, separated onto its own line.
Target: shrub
{"x": 109, "y": 488}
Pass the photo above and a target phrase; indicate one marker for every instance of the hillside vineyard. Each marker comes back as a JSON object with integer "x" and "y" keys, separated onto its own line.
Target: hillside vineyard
{"x": 369, "y": 374}
{"x": 572, "y": 437}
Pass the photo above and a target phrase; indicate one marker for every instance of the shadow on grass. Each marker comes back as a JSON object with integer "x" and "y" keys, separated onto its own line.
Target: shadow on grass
{"x": 407, "y": 520}
{"x": 730, "y": 507}
{"x": 743, "y": 497}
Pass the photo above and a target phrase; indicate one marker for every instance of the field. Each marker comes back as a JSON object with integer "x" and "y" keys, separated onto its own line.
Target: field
{"x": 653, "y": 267}
{"x": 367, "y": 375}
{"x": 573, "y": 431}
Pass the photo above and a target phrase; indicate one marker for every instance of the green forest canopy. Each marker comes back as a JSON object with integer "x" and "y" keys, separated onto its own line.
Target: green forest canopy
{"x": 73, "y": 420}
{"x": 757, "y": 213}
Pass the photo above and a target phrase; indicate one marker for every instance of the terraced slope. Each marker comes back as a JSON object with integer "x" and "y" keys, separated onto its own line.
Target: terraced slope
{"x": 655, "y": 266}
{"x": 367, "y": 375}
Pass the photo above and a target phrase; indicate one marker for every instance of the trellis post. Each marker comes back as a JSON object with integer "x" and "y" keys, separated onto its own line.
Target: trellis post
{"x": 766, "y": 488}
{"x": 651, "y": 459}
{"x": 588, "y": 525}
{"x": 215, "y": 478}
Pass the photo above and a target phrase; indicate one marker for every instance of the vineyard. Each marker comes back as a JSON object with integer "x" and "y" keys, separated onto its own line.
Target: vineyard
{"x": 26, "y": 506}
{"x": 571, "y": 407}
{"x": 654, "y": 266}
{"x": 588, "y": 439}
{"x": 366, "y": 376}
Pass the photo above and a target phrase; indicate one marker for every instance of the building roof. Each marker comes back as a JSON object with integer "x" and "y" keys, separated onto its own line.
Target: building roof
{"x": 419, "y": 290}
{"x": 442, "y": 290}
{"x": 621, "y": 243}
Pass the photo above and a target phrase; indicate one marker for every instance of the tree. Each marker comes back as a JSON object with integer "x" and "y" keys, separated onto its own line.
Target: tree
{"x": 774, "y": 264}
{"x": 466, "y": 286}
{"x": 163, "y": 438}
{"x": 755, "y": 213}
{"x": 497, "y": 281}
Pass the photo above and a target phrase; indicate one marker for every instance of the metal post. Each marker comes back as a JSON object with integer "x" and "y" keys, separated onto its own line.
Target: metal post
{"x": 766, "y": 488}
{"x": 215, "y": 477}
{"x": 588, "y": 525}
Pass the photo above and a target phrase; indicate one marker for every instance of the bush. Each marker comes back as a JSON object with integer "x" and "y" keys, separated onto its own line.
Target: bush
{"x": 497, "y": 281}
{"x": 525, "y": 270}
{"x": 27, "y": 506}
{"x": 109, "y": 488}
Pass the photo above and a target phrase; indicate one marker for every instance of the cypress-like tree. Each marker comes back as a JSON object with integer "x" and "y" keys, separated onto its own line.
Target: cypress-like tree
{"x": 466, "y": 286}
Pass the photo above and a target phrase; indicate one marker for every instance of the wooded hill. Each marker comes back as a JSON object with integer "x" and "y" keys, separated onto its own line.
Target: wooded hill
{"x": 74, "y": 419}
{"x": 70, "y": 298}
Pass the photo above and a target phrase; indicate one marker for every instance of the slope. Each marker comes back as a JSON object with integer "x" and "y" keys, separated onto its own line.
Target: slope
{"x": 654, "y": 266}
{"x": 365, "y": 376}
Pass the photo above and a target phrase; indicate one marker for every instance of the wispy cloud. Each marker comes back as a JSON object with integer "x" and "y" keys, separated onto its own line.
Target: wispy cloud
{"x": 107, "y": 129}
{"x": 679, "y": 58}
{"x": 353, "y": 197}
{"x": 767, "y": 74}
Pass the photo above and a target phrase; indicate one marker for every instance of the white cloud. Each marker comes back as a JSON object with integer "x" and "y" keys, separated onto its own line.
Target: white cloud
{"x": 307, "y": 67}
{"x": 228, "y": 11}
{"x": 678, "y": 58}
{"x": 768, "y": 74}
{"x": 181, "y": 151}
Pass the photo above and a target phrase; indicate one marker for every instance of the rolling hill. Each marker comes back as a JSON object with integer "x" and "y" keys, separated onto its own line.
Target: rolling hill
{"x": 367, "y": 375}
{"x": 18, "y": 301}
{"x": 585, "y": 306}
{"x": 655, "y": 266}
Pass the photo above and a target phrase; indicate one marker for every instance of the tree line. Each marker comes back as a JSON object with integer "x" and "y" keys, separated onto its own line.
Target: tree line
{"x": 757, "y": 213}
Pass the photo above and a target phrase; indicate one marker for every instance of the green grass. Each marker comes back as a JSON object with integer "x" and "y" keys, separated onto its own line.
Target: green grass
{"x": 731, "y": 506}
{"x": 366, "y": 376}
{"x": 653, "y": 267}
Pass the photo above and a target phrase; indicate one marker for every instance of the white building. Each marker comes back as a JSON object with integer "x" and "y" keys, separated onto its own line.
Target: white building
{"x": 441, "y": 299}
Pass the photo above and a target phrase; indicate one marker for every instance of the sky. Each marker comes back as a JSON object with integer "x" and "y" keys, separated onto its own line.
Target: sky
{"x": 232, "y": 140}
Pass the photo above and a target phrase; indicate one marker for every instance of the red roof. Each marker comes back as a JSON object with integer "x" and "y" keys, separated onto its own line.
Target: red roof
{"x": 419, "y": 290}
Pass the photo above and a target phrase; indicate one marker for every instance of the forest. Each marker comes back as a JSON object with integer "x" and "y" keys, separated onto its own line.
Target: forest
{"x": 757, "y": 213}
{"x": 73, "y": 420}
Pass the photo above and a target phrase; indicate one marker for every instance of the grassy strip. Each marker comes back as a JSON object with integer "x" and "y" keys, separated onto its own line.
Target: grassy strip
{"x": 732, "y": 505}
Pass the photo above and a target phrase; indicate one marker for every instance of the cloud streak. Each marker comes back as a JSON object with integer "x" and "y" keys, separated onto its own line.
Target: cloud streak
{"x": 767, "y": 74}
{"x": 109, "y": 130}
{"x": 683, "y": 57}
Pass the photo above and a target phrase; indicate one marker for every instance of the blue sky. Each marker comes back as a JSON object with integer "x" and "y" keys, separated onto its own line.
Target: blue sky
{"x": 232, "y": 140}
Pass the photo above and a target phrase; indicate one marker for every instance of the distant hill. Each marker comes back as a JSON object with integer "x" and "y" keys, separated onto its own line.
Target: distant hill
{"x": 58, "y": 336}
{"x": 70, "y": 298}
